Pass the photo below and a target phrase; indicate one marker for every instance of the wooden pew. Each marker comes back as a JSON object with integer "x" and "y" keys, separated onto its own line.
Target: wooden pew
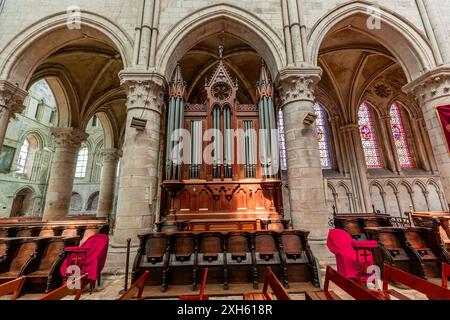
{"x": 445, "y": 275}
{"x": 153, "y": 255}
{"x": 211, "y": 256}
{"x": 394, "y": 249}
{"x": 65, "y": 290}
{"x": 136, "y": 290}
{"x": 266, "y": 244}
{"x": 297, "y": 256}
{"x": 426, "y": 242}
{"x": 431, "y": 290}
{"x": 43, "y": 272}
{"x": 355, "y": 290}
{"x": 182, "y": 261}
{"x": 12, "y": 288}
{"x": 21, "y": 253}
{"x": 201, "y": 295}
{"x": 272, "y": 282}
{"x": 240, "y": 264}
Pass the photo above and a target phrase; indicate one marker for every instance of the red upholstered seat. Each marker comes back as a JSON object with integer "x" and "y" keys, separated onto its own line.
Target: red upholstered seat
{"x": 90, "y": 257}
{"x": 345, "y": 248}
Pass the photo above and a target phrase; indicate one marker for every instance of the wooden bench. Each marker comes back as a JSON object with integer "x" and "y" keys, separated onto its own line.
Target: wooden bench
{"x": 431, "y": 290}
{"x": 136, "y": 290}
{"x": 21, "y": 253}
{"x": 43, "y": 272}
{"x": 352, "y": 288}
{"x": 445, "y": 275}
{"x": 271, "y": 281}
{"x": 12, "y": 288}
{"x": 68, "y": 288}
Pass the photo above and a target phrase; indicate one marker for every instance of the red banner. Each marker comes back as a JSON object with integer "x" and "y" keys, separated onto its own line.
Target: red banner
{"x": 444, "y": 117}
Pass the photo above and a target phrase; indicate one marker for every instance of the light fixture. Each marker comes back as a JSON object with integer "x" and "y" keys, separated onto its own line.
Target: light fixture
{"x": 138, "y": 124}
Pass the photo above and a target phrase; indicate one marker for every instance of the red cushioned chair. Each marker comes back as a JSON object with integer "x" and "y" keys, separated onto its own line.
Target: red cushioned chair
{"x": 352, "y": 257}
{"x": 90, "y": 257}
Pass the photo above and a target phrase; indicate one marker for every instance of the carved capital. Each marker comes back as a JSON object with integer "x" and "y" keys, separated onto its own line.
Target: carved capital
{"x": 69, "y": 137}
{"x": 110, "y": 155}
{"x": 11, "y": 98}
{"x": 298, "y": 84}
{"x": 432, "y": 85}
{"x": 144, "y": 91}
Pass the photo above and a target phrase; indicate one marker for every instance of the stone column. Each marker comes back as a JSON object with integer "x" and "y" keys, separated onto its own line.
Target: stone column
{"x": 358, "y": 168}
{"x": 110, "y": 159}
{"x": 11, "y": 102}
{"x": 139, "y": 165}
{"x": 62, "y": 171}
{"x": 432, "y": 90}
{"x": 423, "y": 155}
{"x": 391, "y": 155}
{"x": 306, "y": 187}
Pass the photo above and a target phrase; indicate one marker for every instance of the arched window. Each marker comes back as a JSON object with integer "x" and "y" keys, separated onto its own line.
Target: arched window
{"x": 368, "y": 137}
{"x": 23, "y": 156}
{"x": 322, "y": 136}
{"x": 400, "y": 138}
{"x": 80, "y": 171}
{"x": 281, "y": 137}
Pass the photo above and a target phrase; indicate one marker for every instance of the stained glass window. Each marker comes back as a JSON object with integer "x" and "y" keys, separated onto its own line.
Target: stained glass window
{"x": 23, "y": 155}
{"x": 368, "y": 137}
{"x": 80, "y": 171}
{"x": 322, "y": 136}
{"x": 282, "y": 140}
{"x": 400, "y": 138}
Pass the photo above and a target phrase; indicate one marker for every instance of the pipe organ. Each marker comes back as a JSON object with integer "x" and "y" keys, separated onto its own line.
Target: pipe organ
{"x": 222, "y": 157}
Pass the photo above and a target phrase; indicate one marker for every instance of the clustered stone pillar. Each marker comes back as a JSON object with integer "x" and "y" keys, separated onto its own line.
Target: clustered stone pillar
{"x": 306, "y": 187}
{"x": 60, "y": 184}
{"x": 357, "y": 167}
{"x": 11, "y": 102}
{"x": 110, "y": 159}
{"x": 433, "y": 90}
{"x": 140, "y": 161}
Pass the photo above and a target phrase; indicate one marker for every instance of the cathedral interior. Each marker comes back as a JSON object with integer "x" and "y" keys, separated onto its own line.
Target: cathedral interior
{"x": 216, "y": 128}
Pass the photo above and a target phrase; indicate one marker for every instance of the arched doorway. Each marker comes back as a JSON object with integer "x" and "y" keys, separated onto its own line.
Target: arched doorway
{"x": 23, "y": 203}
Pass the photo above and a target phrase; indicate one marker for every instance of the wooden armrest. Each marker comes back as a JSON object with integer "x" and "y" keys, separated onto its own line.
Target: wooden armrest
{"x": 75, "y": 250}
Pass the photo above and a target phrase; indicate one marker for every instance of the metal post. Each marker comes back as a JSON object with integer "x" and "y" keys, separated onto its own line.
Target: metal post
{"x": 127, "y": 263}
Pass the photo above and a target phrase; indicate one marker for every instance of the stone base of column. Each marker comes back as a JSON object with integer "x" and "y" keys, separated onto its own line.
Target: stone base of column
{"x": 116, "y": 260}
{"x": 321, "y": 252}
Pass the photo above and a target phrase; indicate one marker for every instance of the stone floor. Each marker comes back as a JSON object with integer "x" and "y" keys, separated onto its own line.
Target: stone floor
{"x": 112, "y": 285}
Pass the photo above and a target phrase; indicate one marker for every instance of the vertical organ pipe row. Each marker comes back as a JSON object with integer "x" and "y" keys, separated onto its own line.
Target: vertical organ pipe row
{"x": 169, "y": 139}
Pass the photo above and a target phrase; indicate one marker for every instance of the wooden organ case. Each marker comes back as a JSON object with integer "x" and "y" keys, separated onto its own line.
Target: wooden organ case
{"x": 227, "y": 175}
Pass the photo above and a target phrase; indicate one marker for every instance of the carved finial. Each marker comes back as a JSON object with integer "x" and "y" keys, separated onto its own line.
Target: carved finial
{"x": 264, "y": 85}
{"x": 177, "y": 86}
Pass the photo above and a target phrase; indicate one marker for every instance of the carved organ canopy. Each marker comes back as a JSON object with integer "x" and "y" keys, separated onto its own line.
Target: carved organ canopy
{"x": 221, "y": 89}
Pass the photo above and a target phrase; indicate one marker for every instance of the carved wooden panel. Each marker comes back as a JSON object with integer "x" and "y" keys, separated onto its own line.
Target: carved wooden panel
{"x": 26, "y": 250}
{"x": 416, "y": 240}
{"x": 155, "y": 249}
{"x": 389, "y": 240}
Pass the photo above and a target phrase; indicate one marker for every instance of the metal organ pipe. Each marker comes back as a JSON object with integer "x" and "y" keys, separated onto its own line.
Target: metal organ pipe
{"x": 169, "y": 137}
